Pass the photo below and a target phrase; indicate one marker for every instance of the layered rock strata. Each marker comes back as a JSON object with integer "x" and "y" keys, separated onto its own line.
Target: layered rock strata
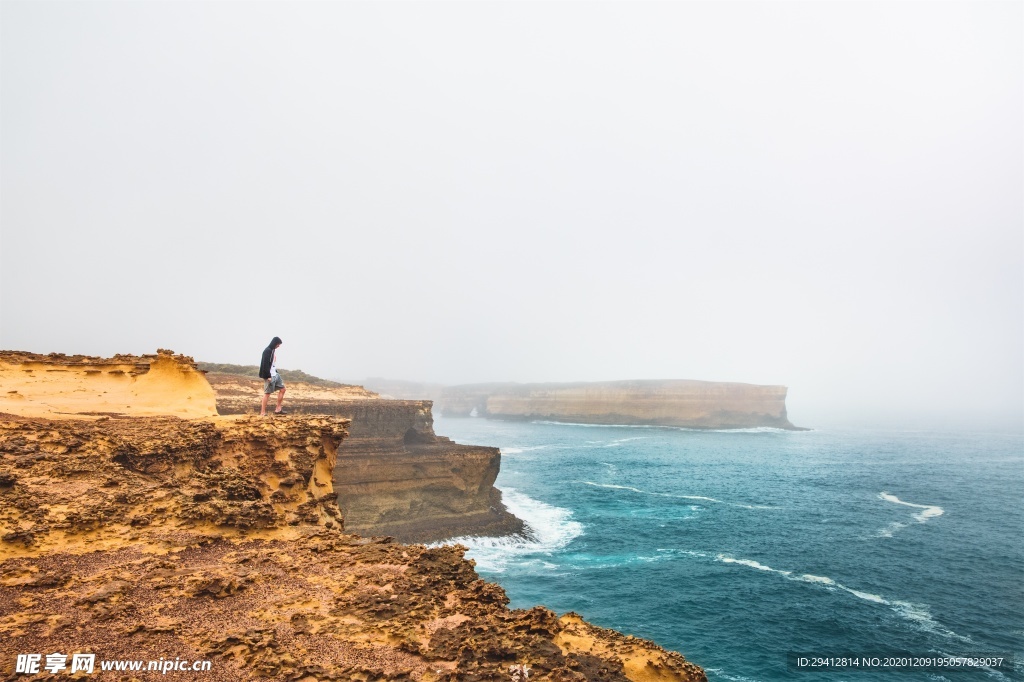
{"x": 692, "y": 404}
{"x": 220, "y": 540}
{"x": 394, "y": 475}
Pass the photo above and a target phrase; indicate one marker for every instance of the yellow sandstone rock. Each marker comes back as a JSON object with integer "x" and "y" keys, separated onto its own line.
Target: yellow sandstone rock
{"x": 59, "y": 386}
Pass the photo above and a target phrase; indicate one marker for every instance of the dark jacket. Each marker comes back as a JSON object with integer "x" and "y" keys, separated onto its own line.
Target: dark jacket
{"x": 268, "y": 358}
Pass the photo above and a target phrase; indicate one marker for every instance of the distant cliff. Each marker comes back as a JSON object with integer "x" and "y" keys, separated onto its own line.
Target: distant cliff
{"x": 692, "y": 404}
{"x": 394, "y": 476}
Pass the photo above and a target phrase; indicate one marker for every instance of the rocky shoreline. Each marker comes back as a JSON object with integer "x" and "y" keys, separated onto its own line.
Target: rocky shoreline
{"x": 221, "y": 539}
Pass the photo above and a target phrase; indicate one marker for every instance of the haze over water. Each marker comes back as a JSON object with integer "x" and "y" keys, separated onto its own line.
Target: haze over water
{"x": 827, "y": 196}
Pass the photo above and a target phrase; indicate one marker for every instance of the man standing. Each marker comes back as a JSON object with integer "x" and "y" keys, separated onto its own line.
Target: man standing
{"x": 271, "y": 379}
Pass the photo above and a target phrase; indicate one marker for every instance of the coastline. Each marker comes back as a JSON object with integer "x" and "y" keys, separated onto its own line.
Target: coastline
{"x": 220, "y": 539}
{"x": 685, "y": 403}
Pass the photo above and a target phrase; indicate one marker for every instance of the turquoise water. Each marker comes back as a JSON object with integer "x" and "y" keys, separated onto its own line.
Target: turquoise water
{"x": 737, "y": 547}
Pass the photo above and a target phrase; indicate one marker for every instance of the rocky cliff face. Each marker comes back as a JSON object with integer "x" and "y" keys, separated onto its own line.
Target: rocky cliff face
{"x": 394, "y": 475}
{"x": 693, "y": 404}
{"x": 421, "y": 491}
{"x": 219, "y": 539}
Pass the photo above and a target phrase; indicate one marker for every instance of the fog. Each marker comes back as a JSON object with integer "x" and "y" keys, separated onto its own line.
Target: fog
{"x": 826, "y": 196}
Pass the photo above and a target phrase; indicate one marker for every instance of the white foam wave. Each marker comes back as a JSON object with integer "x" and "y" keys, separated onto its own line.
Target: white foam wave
{"x": 916, "y": 613}
{"x": 749, "y": 562}
{"x": 525, "y": 448}
{"x": 866, "y": 596}
{"x": 808, "y": 578}
{"x": 718, "y": 672}
{"x": 613, "y": 486}
{"x": 619, "y": 441}
{"x": 681, "y": 497}
{"x": 920, "y": 614}
{"x": 928, "y": 511}
{"x": 550, "y": 529}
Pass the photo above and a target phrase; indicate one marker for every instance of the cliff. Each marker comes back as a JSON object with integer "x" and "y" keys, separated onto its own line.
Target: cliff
{"x": 692, "y": 404}
{"x": 140, "y": 385}
{"x": 394, "y": 475}
{"x": 219, "y": 539}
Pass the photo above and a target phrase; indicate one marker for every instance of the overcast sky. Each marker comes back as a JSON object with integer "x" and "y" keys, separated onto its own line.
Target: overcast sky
{"x": 823, "y": 195}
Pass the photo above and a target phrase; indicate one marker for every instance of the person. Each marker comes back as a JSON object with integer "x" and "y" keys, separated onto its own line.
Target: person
{"x": 271, "y": 379}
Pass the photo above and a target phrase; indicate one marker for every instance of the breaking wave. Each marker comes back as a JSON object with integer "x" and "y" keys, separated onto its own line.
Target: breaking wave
{"x": 548, "y": 530}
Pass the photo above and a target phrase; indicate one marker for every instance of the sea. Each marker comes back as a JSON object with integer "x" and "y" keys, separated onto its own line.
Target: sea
{"x": 764, "y": 554}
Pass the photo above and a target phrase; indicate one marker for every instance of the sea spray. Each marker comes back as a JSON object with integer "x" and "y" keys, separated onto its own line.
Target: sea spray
{"x": 548, "y": 530}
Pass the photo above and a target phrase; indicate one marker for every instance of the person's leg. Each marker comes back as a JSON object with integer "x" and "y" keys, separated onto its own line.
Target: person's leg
{"x": 280, "y": 399}
{"x": 263, "y": 410}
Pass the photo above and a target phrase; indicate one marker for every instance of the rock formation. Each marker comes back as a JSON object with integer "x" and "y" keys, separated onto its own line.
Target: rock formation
{"x": 219, "y": 539}
{"x": 58, "y": 384}
{"x": 692, "y": 404}
{"x": 394, "y": 475}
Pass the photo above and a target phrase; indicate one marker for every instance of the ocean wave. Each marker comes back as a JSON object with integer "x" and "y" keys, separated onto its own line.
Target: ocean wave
{"x": 719, "y": 673}
{"x": 680, "y": 497}
{"x": 603, "y": 562}
{"x": 686, "y": 552}
{"x": 808, "y": 578}
{"x": 928, "y": 511}
{"x": 890, "y": 529}
{"x": 920, "y": 614}
{"x": 751, "y": 563}
{"x": 525, "y": 448}
{"x": 866, "y": 596}
{"x": 549, "y": 529}
{"x": 915, "y": 613}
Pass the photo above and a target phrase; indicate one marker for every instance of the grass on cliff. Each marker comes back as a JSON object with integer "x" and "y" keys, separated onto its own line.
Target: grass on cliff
{"x": 253, "y": 372}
